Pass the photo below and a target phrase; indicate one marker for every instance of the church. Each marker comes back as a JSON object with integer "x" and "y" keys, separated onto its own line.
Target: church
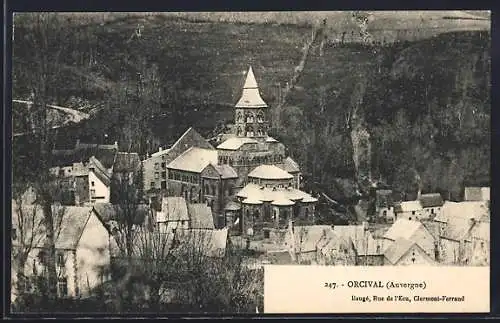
{"x": 248, "y": 180}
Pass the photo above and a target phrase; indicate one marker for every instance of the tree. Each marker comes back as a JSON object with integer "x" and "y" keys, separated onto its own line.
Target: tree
{"x": 43, "y": 37}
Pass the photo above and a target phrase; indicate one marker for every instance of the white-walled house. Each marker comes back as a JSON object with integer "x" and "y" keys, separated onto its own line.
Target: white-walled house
{"x": 82, "y": 248}
{"x": 432, "y": 204}
{"x": 99, "y": 182}
{"x": 413, "y": 231}
{"x": 408, "y": 210}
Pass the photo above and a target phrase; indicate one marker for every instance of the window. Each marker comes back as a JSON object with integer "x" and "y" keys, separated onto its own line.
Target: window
{"x": 482, "y": 245}
{"x": 163, "y": 165}
{"x": 14, "y": 234}
{"x": 157, "y": 165}
{"x": 152, "y": 184}
{"x": 60, "y": 259}
{"x": 409, "y": 218}
{"x": 413, "y": 212}
{"x": 177, "y": 176}
{"x": 62, "y": 286}
{"x": 42, "y": 257}
{"x": 157, "y": 175}
{"x": 92, "y": 183}
{"x": 164, "y": 185}
{"x": 164, "y": 175}
{"x": 384, "y": 213}
{"x": 432, "y": 211}
{"x": 92, "y": 193}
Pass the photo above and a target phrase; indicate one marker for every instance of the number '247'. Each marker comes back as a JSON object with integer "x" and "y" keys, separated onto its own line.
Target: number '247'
{"x": 330, "y": 285}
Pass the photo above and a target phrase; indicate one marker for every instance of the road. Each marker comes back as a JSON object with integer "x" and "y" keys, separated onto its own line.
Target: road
{"x": 75, "y": 115}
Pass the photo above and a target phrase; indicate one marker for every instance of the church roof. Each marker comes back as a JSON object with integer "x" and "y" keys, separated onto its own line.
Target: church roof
{"x": 226, "y": 171}
{"x": 267, "y": 194}
{"x": 194, "y": 160}
{"x": 289, "y": 165}
{"x": 250, "y": 97}
{"x": 235, "y": 143}
{"x": 282, "y": 202}
{"x": 269, "y": 172}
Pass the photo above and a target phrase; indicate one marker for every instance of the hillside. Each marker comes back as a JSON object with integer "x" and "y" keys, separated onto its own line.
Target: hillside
{"x": 425, "y": 103}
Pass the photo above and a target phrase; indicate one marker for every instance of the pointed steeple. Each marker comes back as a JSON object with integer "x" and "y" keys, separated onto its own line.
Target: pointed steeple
{"x": 250, "y": 97}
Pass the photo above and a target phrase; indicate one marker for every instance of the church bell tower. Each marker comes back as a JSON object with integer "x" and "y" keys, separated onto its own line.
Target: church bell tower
{"x": 251, "y": 111}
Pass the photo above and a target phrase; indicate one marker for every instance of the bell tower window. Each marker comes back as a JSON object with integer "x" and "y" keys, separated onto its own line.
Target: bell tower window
{"x": 249, "y": 131}
{"x": 260, "y": 117}
{"x": 250, "y": 118}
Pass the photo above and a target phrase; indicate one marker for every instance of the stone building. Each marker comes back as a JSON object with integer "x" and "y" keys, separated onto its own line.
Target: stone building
{"x": 248, "y": 180}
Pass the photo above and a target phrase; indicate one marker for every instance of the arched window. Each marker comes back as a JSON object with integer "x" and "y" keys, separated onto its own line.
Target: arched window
{"x": 260, "y": 117}
{"x": 239, "y": 132}
{"x": 307, "y": 212}
{"x": 205, "y": 189}
{"x": 256, "y": 214}
{"x": 248, "y": 215}
{"x": 250, "y": 117}
{"x": 249, "y": 131}
{"x": 239, "y": 117}
{"x": 214, "y": 190}
{"x": 260, "y": 132}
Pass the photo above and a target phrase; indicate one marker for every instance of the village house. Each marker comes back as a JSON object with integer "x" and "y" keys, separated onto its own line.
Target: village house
{"x": 176, "y": 213}
{"x": 384, "y": 205}
{"x": 99, "y": 179}
{"x": 403, "y": 252}
{"x": 155, "y": 166}
{"x": 368, "y": 251}
{"x": 464, "y": 233}
{"x": 431, "y": 205}
{"x": 413, "y": 231}
{"x": 82, "y": 248}
{"x": 476, "y": 194}
{"x": 408, "y": 210}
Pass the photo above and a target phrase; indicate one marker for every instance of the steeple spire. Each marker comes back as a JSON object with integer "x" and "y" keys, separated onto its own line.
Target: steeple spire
{"x": 250, "y": 97}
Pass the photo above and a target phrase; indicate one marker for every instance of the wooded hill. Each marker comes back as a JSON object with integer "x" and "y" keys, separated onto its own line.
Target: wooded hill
{"x": 425, "y": 103}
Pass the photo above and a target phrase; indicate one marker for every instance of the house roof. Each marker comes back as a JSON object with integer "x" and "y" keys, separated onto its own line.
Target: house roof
{"x": 235, "y": 143}
{"x": 362, "y": 240}
{"x": 251, "y": 201}
{"x": 457, "y": 228}
{"x": 226, "y": 171}
{"x": 250, "y": 97}
{"x": 307, "y": 238}
{"x": 113, "y": 212}
{"x": 211, "y": 243}
{"x": 269, "y": 172}
{"x": 397, "y": 249}
{"x": 289, "y": 165}
{"x": 126, "y": 162}
{"x": 194, "y": 160}
{"x": 201, "y": 216}
{"x": 69, "y": 223}
{"x": 267, "y": 194}
{"x": 431, "y": 200}
{"x": 100, "y": 171}
{"x": 408, "y": 206}
{"x": 477, "y": 193}
{"x": 271, "y": 139}
{"x": 478, "y": 210}
{"x": 283, "y": 202}
{"x": 481, "y": 231}
{"x": 82, "y": 152}
{"x": 173, "y": 208}
{"x": 402, "y": 228}
{"x": 232, "y": 206}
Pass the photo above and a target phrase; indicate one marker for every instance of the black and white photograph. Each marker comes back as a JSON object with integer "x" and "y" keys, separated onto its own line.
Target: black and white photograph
{"x": 160, "y": 160}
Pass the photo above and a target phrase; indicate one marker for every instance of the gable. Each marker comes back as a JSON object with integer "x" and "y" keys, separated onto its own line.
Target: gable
{"x": 190, "y": 138}
{"x": 210, "y": 172}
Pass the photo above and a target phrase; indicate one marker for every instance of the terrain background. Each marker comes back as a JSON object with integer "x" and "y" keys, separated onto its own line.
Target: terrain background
{"x": 416, "y": 83}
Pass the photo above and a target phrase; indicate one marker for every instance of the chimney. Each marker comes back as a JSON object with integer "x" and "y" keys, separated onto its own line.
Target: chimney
{"x": 160, "y": 149}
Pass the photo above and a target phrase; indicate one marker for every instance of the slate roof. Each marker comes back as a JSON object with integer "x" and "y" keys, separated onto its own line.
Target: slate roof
{"x": 69, "y": 223}
{"x": 282, "y": 202}
{"x": 201, "y": 216}
{"x": 226, "y": 171}
{"x": 478, "y": 210}
{"x": 408, "y": 206}
{"x": 398, "y": 249}
{"x": 100, "y": 171}
{"x": 173, "y": 208}
{"x": 126, "y": 162}
{"x": 457, "y": 229}
{"x": 431, "y": 200}
{"x": 232, "y": 206}
{"x": 235, "y": 143}
{"x": 402, "y": 228}
{"x": 307, "y": 238}
{"x": 82, "y": 152}
{"x": 194, "y": 160}
{"x": 477, "y": 193}
{"x": 113, "y": 212}
{"x": 269, "y": 172}
{"x": 266, "y": 194}
{"x": 250, "y": 97}
{"x": 362, "y": 240}
{"x": 211, "y": 243}
{"x": 289, "y": 165}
